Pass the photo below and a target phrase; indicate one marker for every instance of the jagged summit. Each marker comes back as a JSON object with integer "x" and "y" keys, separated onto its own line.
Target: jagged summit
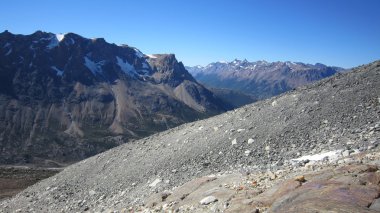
{"x": 167, "y": 68}
{"x": 260, "y": 79}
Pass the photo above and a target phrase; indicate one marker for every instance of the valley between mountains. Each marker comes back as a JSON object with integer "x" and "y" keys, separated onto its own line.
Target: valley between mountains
{"x": 323, "y": 136}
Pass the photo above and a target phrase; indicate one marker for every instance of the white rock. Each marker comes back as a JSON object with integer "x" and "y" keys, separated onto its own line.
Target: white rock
{"x": 207, "y": 200}
{"x": 155, "y": 182}
{"x": 274, "y": 103}
{"x": 234, "y": 141}
{"x": 216, "y": 128}
{"x": 91, "y": 192}
{"x": 240, "y": 130}
{"x": 346, "y": 153}
{"x": 247, "y": 152}
{"x": 250, "y": 141}
{"x": 267, "y": 148}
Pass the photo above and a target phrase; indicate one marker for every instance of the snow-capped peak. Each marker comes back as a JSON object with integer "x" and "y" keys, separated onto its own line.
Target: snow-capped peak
{"x": 55, "y": 39}
{"x": 60, "y": 36}
{"x": 151, "y": 56}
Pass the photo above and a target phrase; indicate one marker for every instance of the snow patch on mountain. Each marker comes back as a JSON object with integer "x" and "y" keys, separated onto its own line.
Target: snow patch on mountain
{"x": 138, "y": 53}
{"x": 94, "y": 67}
{"x": 59, "y": 72}
{"x": 7, "y": 45}
{"x": 9, "y": 52}
{"x": 53, "y": 42}
{"x": 151, "y": 56}
{"x": 126, "y": 67}
{"x": 59, "y": 37}
{"x": 320, "y": 156}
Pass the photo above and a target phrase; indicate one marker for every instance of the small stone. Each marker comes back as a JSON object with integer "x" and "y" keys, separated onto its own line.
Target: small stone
{"x": 247, "y": 152}
{"x": 207, "y": 200}
{"x": 155, "y": 182}
{"x": 267, "y": 148}
{"x": 91, "y": 192}
{"x": 272, "y": 176}
{"x": 240, "y": 130}
{"x": 250, "y": 141}
{"x": 300, "y": 178}
{"x": 216, "y": 128}
{"x": 234, "y": 142}
{"x": 346, "y": 153}
{"x": 375, "y": 205}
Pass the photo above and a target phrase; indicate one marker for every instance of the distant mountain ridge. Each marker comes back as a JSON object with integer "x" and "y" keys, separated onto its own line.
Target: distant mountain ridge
{"x": 261, "y": 79}
{"x": 64, "y": 97}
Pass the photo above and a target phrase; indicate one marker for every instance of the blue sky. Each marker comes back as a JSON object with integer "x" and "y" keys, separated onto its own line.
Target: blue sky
{"x": 335, "y": 32}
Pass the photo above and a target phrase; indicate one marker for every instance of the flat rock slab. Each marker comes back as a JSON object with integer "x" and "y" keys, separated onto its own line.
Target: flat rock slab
{"x": 352, "y": 188}
{"x": 207, "y": 200}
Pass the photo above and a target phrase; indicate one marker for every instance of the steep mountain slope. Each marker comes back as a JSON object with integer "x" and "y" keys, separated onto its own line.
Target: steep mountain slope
{"x": 260, "y": 79}
{"x": 339, "y": 113}
{"x": 232, "y": 97}
{"x": 64, "y": 97}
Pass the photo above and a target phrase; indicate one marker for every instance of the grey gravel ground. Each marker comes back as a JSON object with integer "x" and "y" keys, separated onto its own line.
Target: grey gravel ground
{"x": 342, "y": 112}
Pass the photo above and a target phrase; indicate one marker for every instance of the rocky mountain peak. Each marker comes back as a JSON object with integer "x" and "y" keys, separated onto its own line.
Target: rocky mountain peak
{"x": 167, "y": 69}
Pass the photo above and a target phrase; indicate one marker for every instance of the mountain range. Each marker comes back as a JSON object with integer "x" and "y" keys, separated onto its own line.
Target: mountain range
{"x": 260, "y": 79}
{"x": 64, "y": 97}
{"x": 291, "y": 153}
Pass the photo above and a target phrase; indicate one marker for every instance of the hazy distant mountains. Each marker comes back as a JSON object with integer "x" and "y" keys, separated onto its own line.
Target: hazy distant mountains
{"x": 65, "y": 97}
{"x": 260, "y": 79}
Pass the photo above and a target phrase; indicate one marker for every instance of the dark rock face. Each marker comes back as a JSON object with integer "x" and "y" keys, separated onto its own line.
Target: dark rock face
{"x": 65, "y": 97}
{"x": 260, "y": 79}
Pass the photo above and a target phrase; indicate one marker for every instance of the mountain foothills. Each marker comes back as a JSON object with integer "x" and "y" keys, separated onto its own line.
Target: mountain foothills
{"x": 260, "y": 79}
{"x": 64, "y": 97}
{"x": 325, "y": 132}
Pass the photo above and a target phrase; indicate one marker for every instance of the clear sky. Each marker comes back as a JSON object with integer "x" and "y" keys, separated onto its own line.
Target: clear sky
{"x": 334, "y": 32}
